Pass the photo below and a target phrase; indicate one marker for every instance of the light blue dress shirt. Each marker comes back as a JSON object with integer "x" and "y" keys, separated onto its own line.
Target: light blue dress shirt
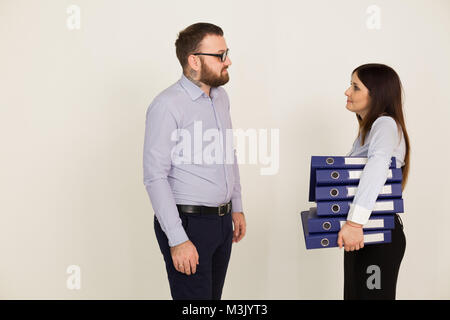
{"x": 185, "y": 107}
{"x": 384, "y": 141}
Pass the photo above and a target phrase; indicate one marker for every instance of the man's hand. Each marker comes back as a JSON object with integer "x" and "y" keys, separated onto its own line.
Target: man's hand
{"x": 239, "y": 226}
{"x": 351, "y": 236}
{"x": 185, "y": 257}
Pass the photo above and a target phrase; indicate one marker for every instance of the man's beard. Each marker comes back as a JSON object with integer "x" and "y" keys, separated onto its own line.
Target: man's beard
{"x": 208, "y": 77}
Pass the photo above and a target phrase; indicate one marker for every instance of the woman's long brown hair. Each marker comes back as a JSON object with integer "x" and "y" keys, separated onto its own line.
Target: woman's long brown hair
{"x": 385, "y": 91}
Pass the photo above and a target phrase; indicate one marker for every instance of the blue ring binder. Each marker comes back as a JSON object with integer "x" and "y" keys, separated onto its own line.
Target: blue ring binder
{"x": 333, "y": 184}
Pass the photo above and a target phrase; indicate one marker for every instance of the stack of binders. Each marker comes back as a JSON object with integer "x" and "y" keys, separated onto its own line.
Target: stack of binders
{"x": 333, "y": 184}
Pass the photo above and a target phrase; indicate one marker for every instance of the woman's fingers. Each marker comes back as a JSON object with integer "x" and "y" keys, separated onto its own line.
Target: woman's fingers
{"x": 340, "y": 241}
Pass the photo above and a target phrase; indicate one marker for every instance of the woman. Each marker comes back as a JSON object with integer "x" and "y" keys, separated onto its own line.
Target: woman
{"x": 375, "y": 95}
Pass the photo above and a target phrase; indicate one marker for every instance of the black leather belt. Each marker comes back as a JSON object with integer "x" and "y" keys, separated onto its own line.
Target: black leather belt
{"x": 221, "y": 210}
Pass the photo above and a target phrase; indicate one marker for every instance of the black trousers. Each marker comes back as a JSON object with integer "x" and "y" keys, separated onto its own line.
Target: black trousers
{"x": 212, "y": 235}
{"x": 371, "y": 272}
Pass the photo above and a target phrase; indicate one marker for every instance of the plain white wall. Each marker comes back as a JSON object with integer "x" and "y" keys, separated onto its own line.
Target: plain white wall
{"x": 72, "y": 116}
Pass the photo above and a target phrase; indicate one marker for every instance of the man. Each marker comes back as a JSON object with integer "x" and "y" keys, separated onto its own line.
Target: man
{"x": 196, "y": 202}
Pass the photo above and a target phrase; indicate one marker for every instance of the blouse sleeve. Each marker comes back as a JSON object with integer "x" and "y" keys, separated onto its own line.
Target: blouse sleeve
{"x": 384, "y": 137}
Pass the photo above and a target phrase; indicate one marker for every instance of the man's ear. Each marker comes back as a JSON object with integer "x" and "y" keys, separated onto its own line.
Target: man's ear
{"x": 194, "y": 62}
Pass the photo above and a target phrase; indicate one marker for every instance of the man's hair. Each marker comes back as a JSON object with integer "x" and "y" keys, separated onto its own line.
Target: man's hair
{"x": 189, "y": 40}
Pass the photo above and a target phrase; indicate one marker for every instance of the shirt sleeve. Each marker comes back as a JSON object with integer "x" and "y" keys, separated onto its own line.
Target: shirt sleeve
{"x": 157, "y": 161}
{"x": 236, "y": 197}
{"x": 384, "y": 138}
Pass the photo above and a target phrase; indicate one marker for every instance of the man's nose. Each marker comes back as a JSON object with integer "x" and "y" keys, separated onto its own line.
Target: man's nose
{"x": 227, "y": 61}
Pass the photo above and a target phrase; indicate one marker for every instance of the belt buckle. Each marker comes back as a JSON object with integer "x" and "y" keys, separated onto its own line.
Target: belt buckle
{"x": 225, "y": 205}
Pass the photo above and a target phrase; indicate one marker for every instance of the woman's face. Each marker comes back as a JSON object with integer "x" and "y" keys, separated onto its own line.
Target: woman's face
{"x": 357, "y": 97}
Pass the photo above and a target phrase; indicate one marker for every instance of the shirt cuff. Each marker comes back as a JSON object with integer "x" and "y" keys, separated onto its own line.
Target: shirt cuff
{"x": 236, "y": 205}
{"x": 358, "y": 214}
{"x": 177, "y": 236}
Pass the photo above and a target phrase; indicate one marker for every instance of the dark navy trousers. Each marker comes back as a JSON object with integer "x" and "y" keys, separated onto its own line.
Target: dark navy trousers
{"x": 212, "y": 235}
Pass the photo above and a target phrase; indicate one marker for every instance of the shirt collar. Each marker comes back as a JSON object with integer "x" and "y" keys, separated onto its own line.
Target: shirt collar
{"x": 193, "y": 90}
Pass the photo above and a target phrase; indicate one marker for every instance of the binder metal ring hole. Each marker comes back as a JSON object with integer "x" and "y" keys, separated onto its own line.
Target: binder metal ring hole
{"x": 335, "y": 175}
{"x": 326, "y": 225}
{"x": 330, "y": 161}
{"x": 334, "y": 192}
{"x": 324, "y": 242}
{"x": 335, "y": 208}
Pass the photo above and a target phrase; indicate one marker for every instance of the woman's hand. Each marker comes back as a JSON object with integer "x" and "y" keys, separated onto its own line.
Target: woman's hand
{"x": 351, "y": 236}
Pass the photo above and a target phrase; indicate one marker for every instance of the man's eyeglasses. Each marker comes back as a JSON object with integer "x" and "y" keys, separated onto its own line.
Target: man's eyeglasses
{"x": 223, "y": 56}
